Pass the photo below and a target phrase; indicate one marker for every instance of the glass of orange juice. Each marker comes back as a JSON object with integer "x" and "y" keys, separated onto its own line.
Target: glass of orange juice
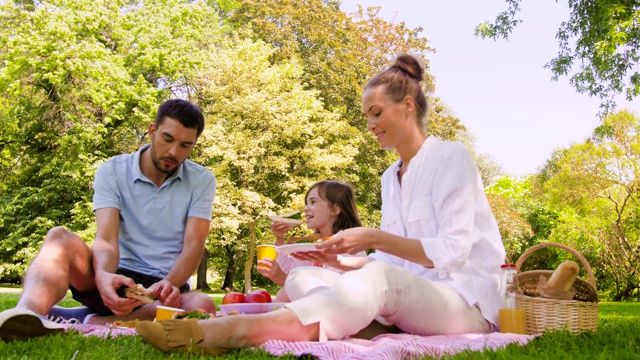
{"x": 512, "y": 321}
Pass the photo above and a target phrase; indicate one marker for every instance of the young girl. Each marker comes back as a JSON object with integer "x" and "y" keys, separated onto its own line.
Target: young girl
{"x": 437, "y": 256}
{"x": 330, "y": 207}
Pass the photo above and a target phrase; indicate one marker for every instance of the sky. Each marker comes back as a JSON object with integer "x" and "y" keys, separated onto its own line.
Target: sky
{"x": 500, "y": 89}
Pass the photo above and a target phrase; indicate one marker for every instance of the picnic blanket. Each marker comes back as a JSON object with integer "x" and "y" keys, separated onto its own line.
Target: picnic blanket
{"x": 386, "y": 346}
{"x": 103, "y": 331}
{"x": 395, "y": 346}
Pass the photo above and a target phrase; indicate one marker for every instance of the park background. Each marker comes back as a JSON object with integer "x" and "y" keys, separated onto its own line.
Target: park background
{"x": 280, "y": 85}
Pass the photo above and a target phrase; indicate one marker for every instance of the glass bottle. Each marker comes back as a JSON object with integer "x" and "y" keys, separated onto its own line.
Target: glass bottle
{"x": 511, "y": 316}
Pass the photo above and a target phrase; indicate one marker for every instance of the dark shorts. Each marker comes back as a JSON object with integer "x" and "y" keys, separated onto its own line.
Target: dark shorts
{"x": 93, "y": 300}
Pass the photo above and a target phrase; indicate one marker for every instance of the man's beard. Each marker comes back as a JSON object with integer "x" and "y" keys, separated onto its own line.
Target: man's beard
{"x": 158, "y": 164}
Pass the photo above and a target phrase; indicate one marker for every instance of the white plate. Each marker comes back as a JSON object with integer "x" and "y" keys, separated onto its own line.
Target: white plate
{"x": 288, "y": 249}
{"x": 287, "y": 221}
{"x": 251, "y": 308}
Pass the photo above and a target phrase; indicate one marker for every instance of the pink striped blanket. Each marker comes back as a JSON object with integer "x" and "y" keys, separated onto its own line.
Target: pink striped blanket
{"x": 386, "y": 346}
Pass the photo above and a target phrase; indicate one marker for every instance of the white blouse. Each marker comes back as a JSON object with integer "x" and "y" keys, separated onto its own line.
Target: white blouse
{"x": 442, "y": 203}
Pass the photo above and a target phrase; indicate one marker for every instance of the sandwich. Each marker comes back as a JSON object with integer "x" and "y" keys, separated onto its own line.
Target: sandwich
{"x": 294, "y": 218}
{"x": 139, "y": 292}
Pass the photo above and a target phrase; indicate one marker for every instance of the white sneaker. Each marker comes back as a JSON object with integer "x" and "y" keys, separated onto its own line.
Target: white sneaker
{"x": 19, "y": 324}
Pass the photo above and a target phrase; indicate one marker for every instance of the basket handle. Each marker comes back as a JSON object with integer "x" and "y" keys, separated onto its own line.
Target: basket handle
{"x": 585, "y": 264}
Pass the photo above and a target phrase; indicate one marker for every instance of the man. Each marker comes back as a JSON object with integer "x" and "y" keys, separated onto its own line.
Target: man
{"x": 153, "y": 210}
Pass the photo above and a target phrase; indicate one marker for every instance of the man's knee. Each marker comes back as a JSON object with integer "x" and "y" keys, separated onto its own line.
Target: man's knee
{"x": 64, "y": 245}
{"x": 63, "y": 237}
{"x": 199, "y": 300}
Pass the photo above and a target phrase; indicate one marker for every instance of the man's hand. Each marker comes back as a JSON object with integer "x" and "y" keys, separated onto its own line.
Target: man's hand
{"x": 168, "y": 294}
{"x": 107, "y": 284}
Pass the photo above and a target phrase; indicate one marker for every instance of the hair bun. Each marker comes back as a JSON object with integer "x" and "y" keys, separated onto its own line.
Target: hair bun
{"x": 409, "y": 65}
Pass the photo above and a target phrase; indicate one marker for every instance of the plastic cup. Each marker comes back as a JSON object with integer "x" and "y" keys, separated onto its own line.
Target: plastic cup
{"x": 166, "y": 312}
{"x": 266, "y": 252}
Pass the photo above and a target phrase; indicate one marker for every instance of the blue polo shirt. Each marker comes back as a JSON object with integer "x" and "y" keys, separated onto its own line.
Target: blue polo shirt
{"x": 152, "y": 219}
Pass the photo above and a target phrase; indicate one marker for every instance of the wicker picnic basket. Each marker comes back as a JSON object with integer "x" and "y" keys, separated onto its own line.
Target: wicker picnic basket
{"x": 576, "y": 315}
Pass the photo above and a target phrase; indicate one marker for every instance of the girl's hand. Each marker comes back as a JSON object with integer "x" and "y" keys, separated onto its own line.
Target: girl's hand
{"x": 346, "y": 263}
{"x": 318, "y": 257}
{"x": 279, "y": 229}
{"x": 271, "y": 270}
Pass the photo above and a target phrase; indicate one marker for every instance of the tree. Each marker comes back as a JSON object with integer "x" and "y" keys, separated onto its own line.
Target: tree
{"x": 79, "y": 82}
{"x": 510, "y": 201}
{"x": 597, "y": 186}
{"x": 488, "y": 168}
{"x": 338, "y": 53}
{"x": 268, "y": 140}
{"x": 601, "y": 39}
{"x": 61, "y": 91}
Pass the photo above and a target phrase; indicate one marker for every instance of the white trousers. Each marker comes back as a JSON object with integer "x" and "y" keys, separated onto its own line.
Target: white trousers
{"x": 345, "y": 303}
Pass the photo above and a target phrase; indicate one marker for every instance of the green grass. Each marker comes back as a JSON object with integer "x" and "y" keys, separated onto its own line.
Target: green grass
{"x": 618, "y": 337}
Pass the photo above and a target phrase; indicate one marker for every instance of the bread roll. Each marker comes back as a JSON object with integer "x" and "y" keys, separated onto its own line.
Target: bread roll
{"x": 564, "y": 276}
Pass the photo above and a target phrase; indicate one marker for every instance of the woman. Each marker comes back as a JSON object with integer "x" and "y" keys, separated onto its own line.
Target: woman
{"x": 438, "y": 252}
{"x": 330, "y": 206}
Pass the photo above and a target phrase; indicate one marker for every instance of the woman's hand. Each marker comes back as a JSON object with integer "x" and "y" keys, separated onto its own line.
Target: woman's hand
{"x": 350, "y": 241}
{"x": 271, "y": 270}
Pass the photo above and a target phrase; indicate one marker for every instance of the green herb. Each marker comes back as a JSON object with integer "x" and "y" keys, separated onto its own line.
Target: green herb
{"x": 294, "y": 215}
{"x": 195, "y": 314}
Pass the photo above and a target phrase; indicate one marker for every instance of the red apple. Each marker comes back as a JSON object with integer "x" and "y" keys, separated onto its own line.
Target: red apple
{"x": 265, "y": 293}
{"x": 255, "y": 297}
{"x": 233, "y": 298}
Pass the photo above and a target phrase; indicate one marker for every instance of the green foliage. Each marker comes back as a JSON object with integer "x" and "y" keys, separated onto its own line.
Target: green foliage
{"x": 508, "y": 198}
{"x": 338, "y": 54}
{"x": 598, "y": 46}
{"x": 268, "y": 138}
{"x": 594, "y": 186}
{"x": 79, "y": 82}
{"x": 280, "y": 85}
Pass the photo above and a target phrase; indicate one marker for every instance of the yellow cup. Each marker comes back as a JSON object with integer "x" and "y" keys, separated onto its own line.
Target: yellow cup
{"x": 266, "y": 252}
{"x": 166, "y": 312}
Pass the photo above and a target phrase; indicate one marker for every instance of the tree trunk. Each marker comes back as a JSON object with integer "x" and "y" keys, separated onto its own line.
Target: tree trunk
{"x": 227, "y": 284}
{"x": 201, "y": 279}
{"x": 249, "y": 264}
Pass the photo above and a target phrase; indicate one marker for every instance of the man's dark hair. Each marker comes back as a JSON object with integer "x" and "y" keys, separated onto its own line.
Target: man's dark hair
{"x": 187, "y": 113}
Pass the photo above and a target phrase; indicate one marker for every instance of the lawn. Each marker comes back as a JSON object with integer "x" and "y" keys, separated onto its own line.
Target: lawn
{"x": 618, "y": 337}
